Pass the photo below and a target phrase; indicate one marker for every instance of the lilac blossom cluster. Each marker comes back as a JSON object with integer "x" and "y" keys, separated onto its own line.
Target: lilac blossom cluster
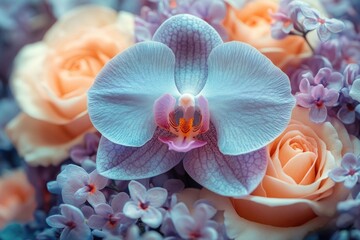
{"x": 153, "y": 15}
{"x": 92, "y": 206}
{"x": 347, "y": 222}
{"x": 298, "y": 18}
{"x": 328, "y": 82}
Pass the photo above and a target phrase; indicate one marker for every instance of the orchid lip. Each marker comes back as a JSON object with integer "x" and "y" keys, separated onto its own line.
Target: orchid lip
{"x": 184, "y": 120}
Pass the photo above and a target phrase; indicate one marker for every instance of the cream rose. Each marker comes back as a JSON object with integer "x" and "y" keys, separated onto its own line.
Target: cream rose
{"x": 296, "y": 194}
{"x": 51, "y": 78}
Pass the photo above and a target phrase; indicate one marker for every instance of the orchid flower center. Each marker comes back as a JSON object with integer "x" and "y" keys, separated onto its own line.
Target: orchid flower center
{"x": 184, "y": 119}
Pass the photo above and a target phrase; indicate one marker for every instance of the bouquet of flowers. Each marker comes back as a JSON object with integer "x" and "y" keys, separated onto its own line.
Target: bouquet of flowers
{"x": 180, "y": 119}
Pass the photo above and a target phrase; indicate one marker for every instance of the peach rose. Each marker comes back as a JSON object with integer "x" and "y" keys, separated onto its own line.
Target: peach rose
{"x": 17, "y": 198}
{"x": 252, "y": 24}
{"x": 51, "y": 78}
{"x": 296, "y": 194}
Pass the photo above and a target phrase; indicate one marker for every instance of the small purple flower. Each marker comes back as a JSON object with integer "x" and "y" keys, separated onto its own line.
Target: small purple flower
{"x": 282, "y": 26}
{"x": 327, "y": 77}
{"x": 78, "y": 186}
{"x": 134, "y": 233}
{"x": 349, "y": 213}
{"x": 110, "y": 217}
{"x": 283, "y": 22}
{"x": 196, "y": 225}
{"x": 317, "y": 98}
{"x": 309, "y": 67}
{"x": 72, "y": 221}
{"x": 352, "y": 80}
{"x": 85, "y": 154}
{"x": 324, "y": 26}
{"x": 349, "y": 108}
{"x": 349, "y": 171}
{"x": 145, "y": 204}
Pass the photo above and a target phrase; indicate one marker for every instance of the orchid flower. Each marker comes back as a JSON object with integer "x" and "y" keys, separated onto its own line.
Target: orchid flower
{"x": 188, "y": 96}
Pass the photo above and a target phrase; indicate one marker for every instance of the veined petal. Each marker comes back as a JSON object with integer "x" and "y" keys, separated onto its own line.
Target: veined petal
{"x": 174, "y": 145}
{"x": 191, "y": 39}
{"x": 127, "y": 163}
{"x": 249, "y": 98}
{"x": 122, "y": 97}
{"x": 162, "y": 107}
{"x": 223, "y": 174}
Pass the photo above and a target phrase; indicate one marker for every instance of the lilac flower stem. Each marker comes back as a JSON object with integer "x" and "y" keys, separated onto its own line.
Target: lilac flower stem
{"x": 307, "y": 41}
{"x": 304, "y": 35}
{"x": 112, "y": 188}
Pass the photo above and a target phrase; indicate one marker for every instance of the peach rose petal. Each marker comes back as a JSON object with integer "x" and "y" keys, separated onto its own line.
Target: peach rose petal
{"x": 239, "y": 228}
{"x": 79, "y": 20}
{"x": 252, "y": 24}
{"x": 298, "y": 166}
{"x": 17, "y": 198}
{"x": 43, "y": 143}
{"x": 26, "y": 81}
{"x": 326, "y": 131}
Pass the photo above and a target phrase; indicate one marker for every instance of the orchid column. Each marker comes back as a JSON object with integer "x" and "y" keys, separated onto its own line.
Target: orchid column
{"x": 188, "y": 96}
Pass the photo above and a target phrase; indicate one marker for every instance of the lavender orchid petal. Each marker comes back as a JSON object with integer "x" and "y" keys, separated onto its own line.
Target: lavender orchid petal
{"x": 126, "y": 163}
{"x": 226, "y": 175}
{"x": 244, "y": 119}
{"x": 191, "y": 39}
{"x": 162, "y": 107}
{"x": 129, "y": 78}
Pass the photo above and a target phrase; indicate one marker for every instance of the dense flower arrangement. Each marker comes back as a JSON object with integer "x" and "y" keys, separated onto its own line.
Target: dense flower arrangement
{"x": 180, "y": 119}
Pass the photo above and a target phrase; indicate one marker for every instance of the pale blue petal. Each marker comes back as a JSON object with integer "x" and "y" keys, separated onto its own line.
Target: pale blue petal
{"x": 156, "y": 196}
{"x": 97, "y": 222}
{"x": 152, "y": 217}
{"x": 191, "y": 40}
{"x": 249, "y": 98}
{"x": 82, "y": 232}
{"x": 355, "y": 90}
{"x": 323, "y": 33}
{"x": 127, "y": 163}
{"x": 56, "y": 221}
{"x": 121, "y": 100}
{"x": 226, "y": 175}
